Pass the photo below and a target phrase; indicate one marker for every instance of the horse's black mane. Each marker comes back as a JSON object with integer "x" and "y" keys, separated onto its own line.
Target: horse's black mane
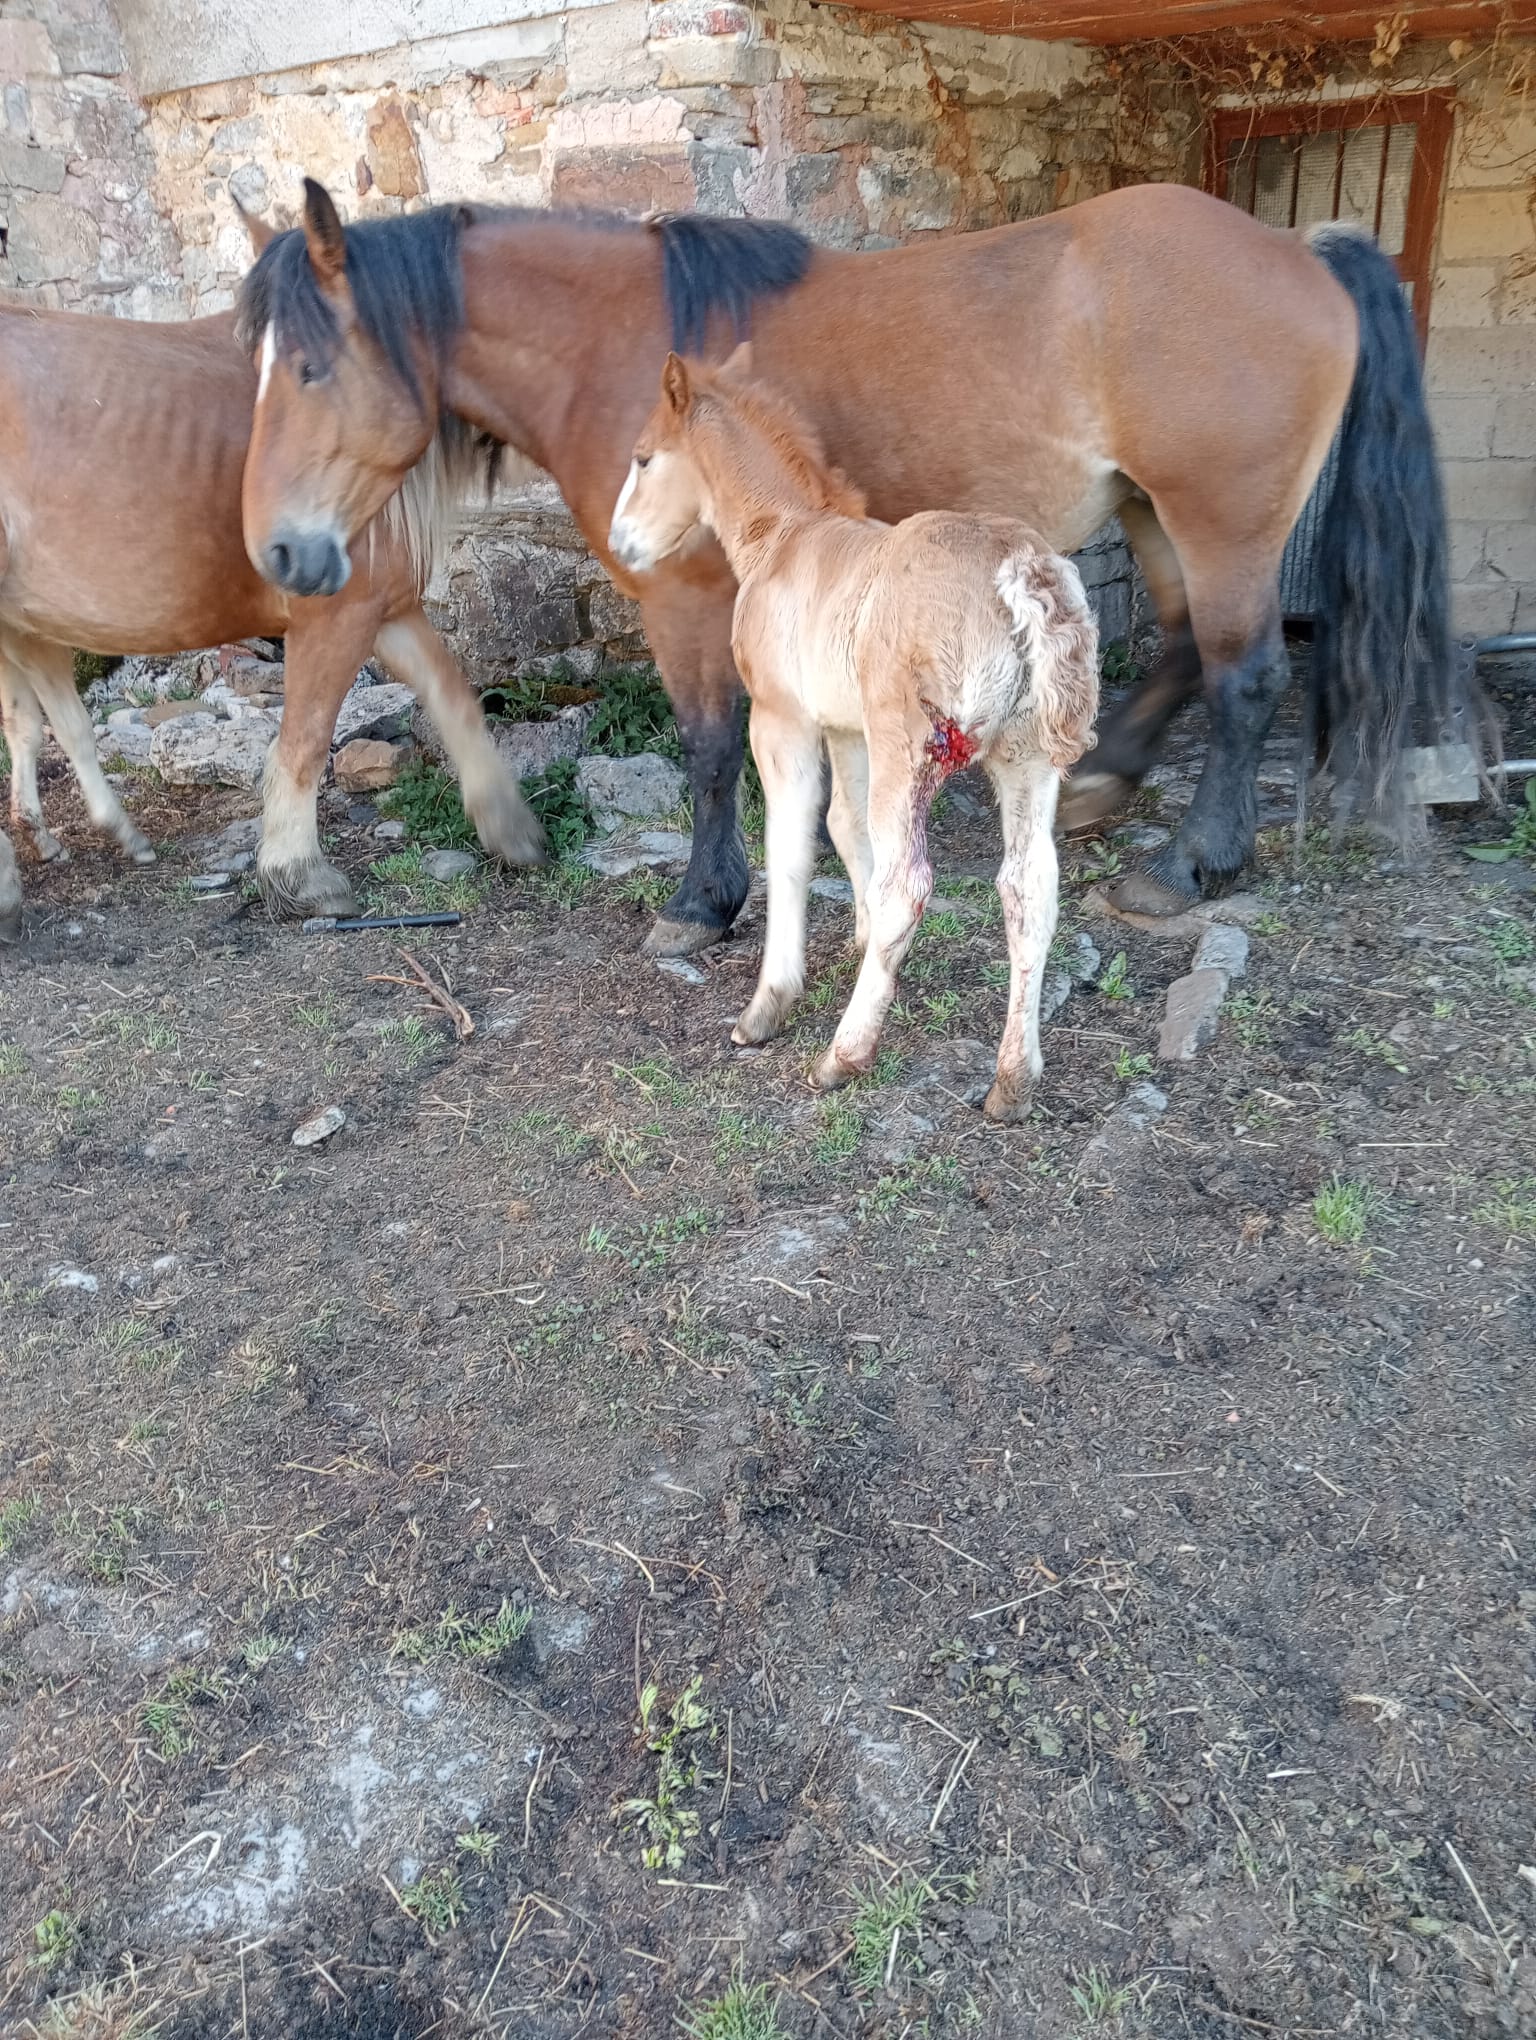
{"x": 408, "y": 288}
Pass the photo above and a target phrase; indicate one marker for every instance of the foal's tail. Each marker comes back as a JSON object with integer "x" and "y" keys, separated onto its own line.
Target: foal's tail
{"x": 1382, "y": 658}
{"x": 1043, "y": 593}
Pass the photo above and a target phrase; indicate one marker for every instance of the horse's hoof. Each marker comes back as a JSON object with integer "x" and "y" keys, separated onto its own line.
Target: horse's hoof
{"x": 832, "y": 1073}
{"x": 683, "y": 938}
{"x": 49, "y": 849}
{"x": 763, "y": 1019}
{"x": 296, "y": 893}
{"x": 1093, "y": 797}
{"x": 510, "y": 830}
{"x": 1139, "y": 892}
{"x": 1007, "y": 1101}
{"x": 140, "y": 850}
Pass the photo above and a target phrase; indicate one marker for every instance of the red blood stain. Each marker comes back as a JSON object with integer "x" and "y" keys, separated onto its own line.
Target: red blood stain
{"x": 949, "y": 747}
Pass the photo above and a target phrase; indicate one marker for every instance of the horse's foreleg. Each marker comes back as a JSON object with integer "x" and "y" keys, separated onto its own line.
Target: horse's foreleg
{"x": 788, "y": 754}
{"x": 327, "y": 643}
{"x": 689, "y": 629}
{"x": 848, "y": 821}
{"x": 10, "y": 892}
{"x": 1027, "y": 885}
{"x": 53, "y": 677}
{"x": 493, "y": 800}
{"x": 1216, "y": 837}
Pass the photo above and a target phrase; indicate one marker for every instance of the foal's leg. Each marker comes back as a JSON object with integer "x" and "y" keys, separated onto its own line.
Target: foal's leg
{"x": 327, "y": 644}
{"x": 493, "y": 800}
{"x": 1027, "y": 883}
{"x": 10, "y": 892}
{"x": 23, "y": 720}
{"x": 848, "y": 821}
{"x": 51, "y": 670}
{"x": 788, "y": 754}
{"x": 901, "y": 884}
{"x": 1106, "y": 777}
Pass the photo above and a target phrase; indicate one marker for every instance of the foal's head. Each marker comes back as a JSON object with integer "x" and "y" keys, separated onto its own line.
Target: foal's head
{"x": 714, "y": 438}
{"x": 348, "y": 328}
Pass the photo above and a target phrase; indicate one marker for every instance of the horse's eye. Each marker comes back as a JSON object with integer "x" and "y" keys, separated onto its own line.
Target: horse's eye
{"x": 308, "y": 372}
{"x": 642, "y": 460}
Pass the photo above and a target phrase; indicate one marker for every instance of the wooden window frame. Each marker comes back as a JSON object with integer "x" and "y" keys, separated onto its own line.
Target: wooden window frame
{"x": 1433, "y": 112}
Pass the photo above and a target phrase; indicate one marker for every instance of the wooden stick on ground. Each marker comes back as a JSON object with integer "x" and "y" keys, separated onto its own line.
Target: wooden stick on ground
{"x": 421, "y": 980}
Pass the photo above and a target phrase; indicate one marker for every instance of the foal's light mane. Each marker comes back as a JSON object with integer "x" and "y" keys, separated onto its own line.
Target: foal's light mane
{"x": 794, "y": 442}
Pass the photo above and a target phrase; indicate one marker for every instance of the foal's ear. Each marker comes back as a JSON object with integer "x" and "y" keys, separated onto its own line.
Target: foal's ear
{"x": 739, "y": 366}
{"x": 675, "y": 385}
{"x": 255, "y": 226}
{"x": 324, "y": 234}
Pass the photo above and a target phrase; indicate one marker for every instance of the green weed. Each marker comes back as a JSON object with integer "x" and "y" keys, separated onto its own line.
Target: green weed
{"x": 1116, "y": 981}
{"x": 1341, "y": 1210}
{"x": 1097, "y": 1998}
{"x": 474, "y": 1638}
{"x": 435, "y": 1901}
{"x": 901, "y": 1187}
{"x": 1521, "y": 840}
{"x": 12, "y": 1062}
{"x": 680, "y": 1741}
{"x": 56, "y": 1937}
{"x": 839, "y": 1129}
{"x": 427, "y": 800}
{"x": 633, "y": 715}
{"x": 1365, "y": 1042}
{"x": 743, "y": 2013}
{"x": 1128, "y": 1066}
{"x": 886, "y": 1930}
{"x": 17, "y": 1517}
{"x": 481, "y": 1844}
{"x": 561, "y": 806}
{"x": 1511, "y": 1210}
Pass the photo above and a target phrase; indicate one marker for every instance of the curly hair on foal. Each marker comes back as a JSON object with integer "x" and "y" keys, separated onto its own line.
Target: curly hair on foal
{"x": 911, "y": 651}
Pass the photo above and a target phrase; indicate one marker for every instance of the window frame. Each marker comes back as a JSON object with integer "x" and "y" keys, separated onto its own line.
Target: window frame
{"x": 1434, "y": 114}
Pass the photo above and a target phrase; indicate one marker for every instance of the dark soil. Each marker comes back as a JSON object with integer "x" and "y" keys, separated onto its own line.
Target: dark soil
{"x": 1111, "y": 1599}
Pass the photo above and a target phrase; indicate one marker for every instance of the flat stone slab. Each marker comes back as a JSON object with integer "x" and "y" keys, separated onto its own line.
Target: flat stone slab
{"x": 1223, "y": 947}
{"x": 1191, "y": 1015}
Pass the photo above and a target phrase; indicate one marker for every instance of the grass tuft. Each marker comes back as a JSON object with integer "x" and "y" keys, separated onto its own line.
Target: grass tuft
{"x": 744, "y": 2012}
{"x": 886, "y": 1930}
{"x": 473, "y": 1638}
{"x": 1341, "y": 1211}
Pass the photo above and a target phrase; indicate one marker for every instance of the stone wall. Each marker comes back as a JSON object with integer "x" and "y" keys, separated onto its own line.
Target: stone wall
{"x": 865, "y": 132}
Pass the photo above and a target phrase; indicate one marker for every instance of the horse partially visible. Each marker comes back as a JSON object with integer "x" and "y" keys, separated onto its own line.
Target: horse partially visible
{"x": 1153, "y": 353}
{"x": 911, "y": 651}
{"x": 122, "y": 447}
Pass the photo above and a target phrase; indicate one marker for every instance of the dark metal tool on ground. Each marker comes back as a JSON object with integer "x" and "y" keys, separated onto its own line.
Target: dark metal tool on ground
{"x": 327, "y": 924}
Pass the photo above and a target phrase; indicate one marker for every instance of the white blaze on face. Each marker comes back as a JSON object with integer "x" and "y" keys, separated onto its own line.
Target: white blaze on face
{"x": 626, "y": 543}
{"x": 268, "y": 357}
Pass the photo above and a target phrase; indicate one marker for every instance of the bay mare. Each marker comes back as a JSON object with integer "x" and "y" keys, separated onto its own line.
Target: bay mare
{"x": 121, "y": 450}
{"x": 1153, "y": 352}
{"x": 910, "y": 651}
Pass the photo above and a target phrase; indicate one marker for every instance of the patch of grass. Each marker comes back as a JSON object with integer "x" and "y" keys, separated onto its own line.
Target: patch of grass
{"x": 424, "y": 895}
{"x": 941, "y": 1008}
{"x": 480, "y": 1844}
{"x": 409, "y": 1041}
{"x": 633, "y": 715}
{"x": 1270, "y": 924}
{"x": 1128, "y": 1066}
{"x": 565, "y": 885}
{"x": 561, "y": 806}
{"x": 1099, "y": 1999}
{"x": 16, "y": 1518}
{"x": 1341, "y": 1211}
{"x": 740, "y": 1134}
{"x": 679, "y": 1740}
{"x": 427, "y": 800}
{"x": 1521, "y": 840}
{"x": 12, "y": 1062}
{"x": 1250, "y": 1016}
{"x": 649, "y": 1248}
{"x": 1366, "y": 1042}
{"x": 644, "y": 888}
{"x": 1511, "y": 1210}
{"x": 471, "y": 1637}
{"x": 1511, "y": 941}
{"x": 93, "y": 666}
{"x": 886, "y": 1930}
{"x": 167, "y": 1720}
{"x": 829, "y": 985}
{"x": 839, "y": 1129}
{"x": 435, "y": 1901}
{"x": 745, "y": 2012}
{"x": 941, "y": 1172}
{"x": 1116, "y": 981}
{"x": 55, "y": 1937}
{"x": 658, "y": 1080}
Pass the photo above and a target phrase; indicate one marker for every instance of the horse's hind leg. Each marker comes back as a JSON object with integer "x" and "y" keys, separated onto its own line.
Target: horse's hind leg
{"x": 1028, "y": 887}
{"x": 23, "y": 719}
{"x": 327, "y": 643}
{"x": 788, "y": 754}
{"x": 52, "y": 673}
{"x": 10, "y": 892}
{"x": 1235, "y": 608}
{"x": 1130, "y": 735}
{"x": 493, "y": 800}
{"x": 848, "y": 821}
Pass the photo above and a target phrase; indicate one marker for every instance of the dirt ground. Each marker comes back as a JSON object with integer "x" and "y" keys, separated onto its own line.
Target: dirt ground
{"x": 1075, "y": 1579}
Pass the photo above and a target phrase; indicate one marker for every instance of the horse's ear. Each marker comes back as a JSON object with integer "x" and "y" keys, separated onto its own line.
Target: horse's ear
{"x": 261, "y": 234}
{"x": 739, "y": 367}
{"x": 675, "y": 385}
{"x": 324, "y": 234}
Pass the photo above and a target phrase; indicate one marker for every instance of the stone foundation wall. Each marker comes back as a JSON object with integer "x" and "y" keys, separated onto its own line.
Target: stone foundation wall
{"x": 866, "y": 133}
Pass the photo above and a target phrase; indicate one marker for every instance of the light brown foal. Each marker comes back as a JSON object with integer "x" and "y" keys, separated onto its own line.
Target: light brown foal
{"x": 911, "y": 650}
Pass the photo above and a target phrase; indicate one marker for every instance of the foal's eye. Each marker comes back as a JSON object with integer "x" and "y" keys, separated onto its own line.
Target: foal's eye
{"x": 642, "y": 460}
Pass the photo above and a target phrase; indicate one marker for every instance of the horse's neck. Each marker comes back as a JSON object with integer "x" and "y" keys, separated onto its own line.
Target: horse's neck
{"x": 557, "y": 319}
{"x": 755, "y": 495}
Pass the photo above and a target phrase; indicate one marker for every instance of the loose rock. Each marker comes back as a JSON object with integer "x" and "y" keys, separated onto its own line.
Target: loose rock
{"x": 1123, "y": 1132}
{"x": 165, "y": 711}
{"x": 680, "y": 967}
{"x": 1083, "y": 960}
{"x": 200, "y": 750}
{"x": 625, "y": 789}
{"x": 653, "y": 849}
{"x": 383, "y": 711}
{"x": 1223, "y": 947}
{"x": 367, "y": 764}
{"x": 1055, "y": 992}
{"x": 531, "y": 748}
{"x": 1191, "y": 1015}
{"x": 320, "y": 1128}
{"x": 447, "y": 865}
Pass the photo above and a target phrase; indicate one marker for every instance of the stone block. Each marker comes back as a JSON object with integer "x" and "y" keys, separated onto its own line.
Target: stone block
{"x": 1483, "y": 611}
{"x": 382, "y": 711}
{"x": 1514, "y": 427}
{"x": 1494, "y": 145}
{"x": 200, "y": 750}
{"x": 606, "y": 50}
{"x": 624, "y": 180}
{"x": 392, "y": 161}
{"x": 23, "y": 168}
{"x": 909, "y": 200}
{"x": 1517, "y": 295}
{"x": 52, "y": 241}
{"x": 1511, "y": 551}
{"x": 1477, "y": 224}
{"x": 716, "y": 60}
{"x": 1464, "y": 294}
{"x": 611, "y": 615}
{"x": 620, "y": 790}
{"x": 1463, "y": 426}
{"x": 1466, "y": 551}
{"x": 1525, "y": 609}
{"x": 1490, "y": 491}
{"x": 89, "y": 48}
{"x": 368, "y": 764}
{"x": 26, "y": 51}
{"x": 1468, "y": 359}
{"x": 1223, "y": 947}
{"x": 686, "y": 19}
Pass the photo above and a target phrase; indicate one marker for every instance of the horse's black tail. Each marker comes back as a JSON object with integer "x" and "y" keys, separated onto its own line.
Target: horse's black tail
{"x": 1384, "y": 672}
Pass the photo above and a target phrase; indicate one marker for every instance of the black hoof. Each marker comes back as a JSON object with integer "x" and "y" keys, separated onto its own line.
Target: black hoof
{"x": 1143, "y": 892}
{"x": 683, "y": 938}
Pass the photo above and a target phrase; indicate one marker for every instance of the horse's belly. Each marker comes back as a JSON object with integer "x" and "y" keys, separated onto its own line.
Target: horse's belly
{"x": 801, "y": 659}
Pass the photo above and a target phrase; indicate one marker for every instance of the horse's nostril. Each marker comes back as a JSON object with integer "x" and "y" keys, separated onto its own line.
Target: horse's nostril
{"x": 280, "y": 559}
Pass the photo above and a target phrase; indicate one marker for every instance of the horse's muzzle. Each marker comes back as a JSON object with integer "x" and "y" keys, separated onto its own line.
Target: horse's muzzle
{"x": 307, "y": 562}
